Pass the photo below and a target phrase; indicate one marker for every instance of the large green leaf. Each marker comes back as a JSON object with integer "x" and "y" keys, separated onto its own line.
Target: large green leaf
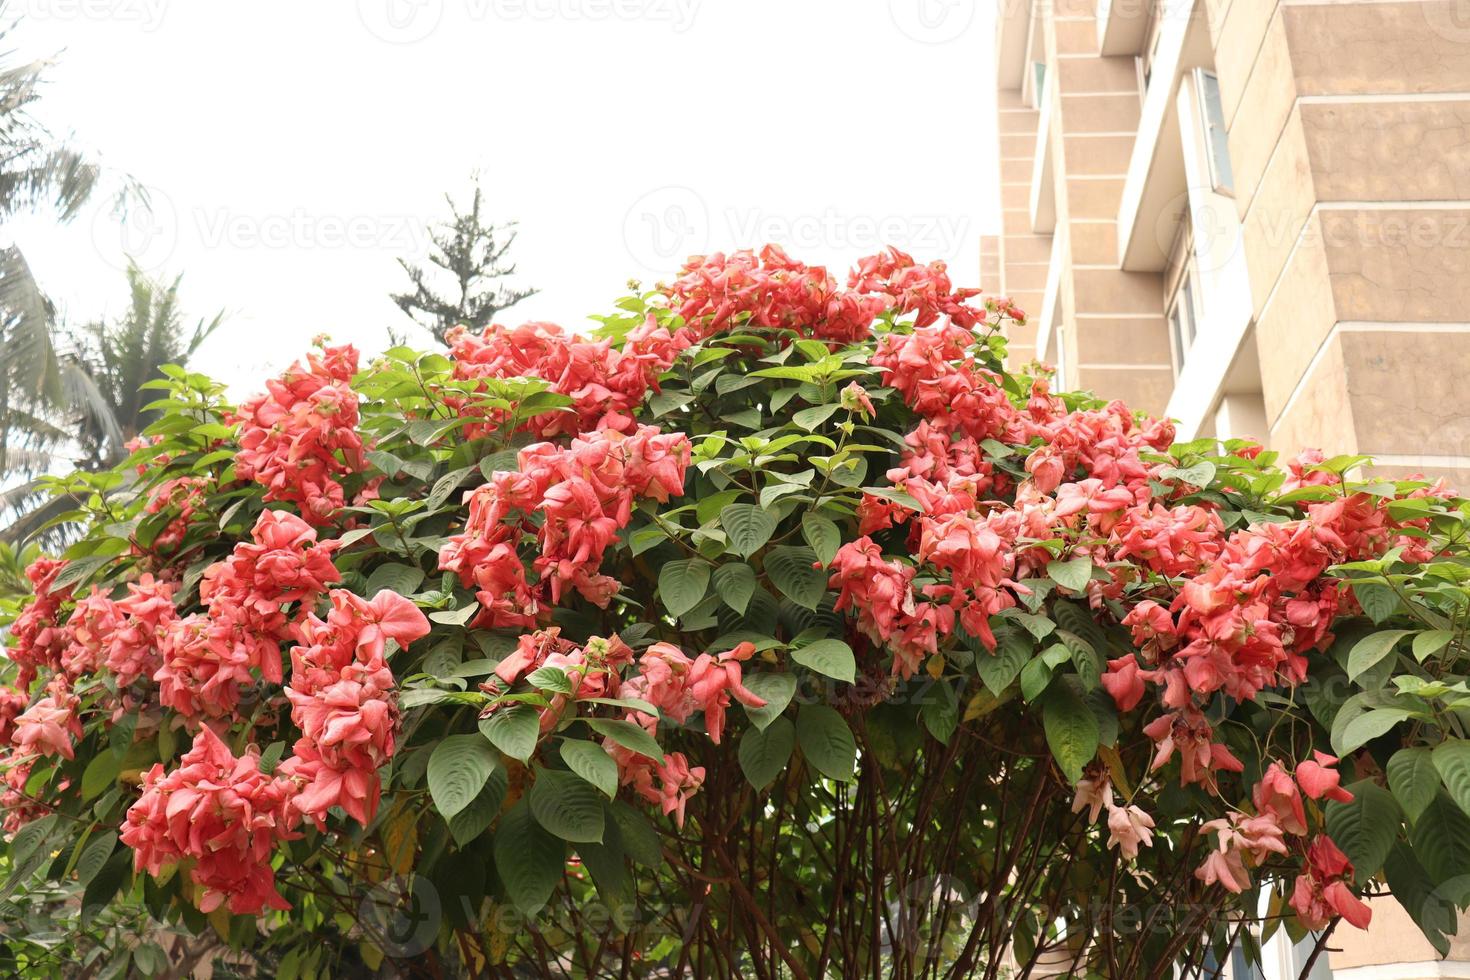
{"x": 528, "y": 858}
{"x": 592, "y": 763}
{"x": 628, "y": 735}
{"x": 1073, "y": 574}
{"x": 403, "y": 579}
{"x": 826, "y": 742}
{"x": 1414, "y": 780}
{"x": 748, "y": 526}
{"x": 681, "y": 584}
{"x": 513, "y": 729}
{"x": 765, "y": 752}
{"x": 1365, "y": 828}
{"x": 830, "y": 657}
{"x": 458, "y": 770}
{"x": 1441, "y": 840}
{"x": 795, "y": 572}
{"x": 471, "y": 822}
{"x": 774, "y": 689}
{"x": 1368, "y": 726}
{"x": 566, "y": 805}
{"x": 1452, "y": 761}
{"x": 1371, "y": 649}
{"x": 1013, "y": 649}
{"x": 1071, "y": 728}
{"x": 735, "y": 584}
{"x": 822, "y": 535}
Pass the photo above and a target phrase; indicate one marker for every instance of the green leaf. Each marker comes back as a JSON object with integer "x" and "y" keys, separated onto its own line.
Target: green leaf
{"x": 1366, "y": 828}
{"x": 513, "y": 729}
{"x": 775, "y": 689}
{"x": 1000, "y": 668}
{"x": 592, "y": 763}
{"x": 100, "y": 773}
{"x": 749, "y": 527}
{"x": 1368, "y": 726}
{"x": 1379, "y": 601}
{"x": 794, "y": 571}
{"x": 1452, "y": 761}
{"x": 458, "y": 770}
{"x": 1071, "y": 728}
{"x": 827, "y": 742}
{"x": 640, "y": 840}
{"x": 940, "y": 714}
{"x": 811, "y": 418}
{"x": 830, "y": 657}
{"x": 529, "y": 860}
{"x": 1430, "y": 642}
{"x": 1414, "y": 779}
{"x": 403, "y": 579}
{"x": 1074, "y": 574}
{"x": 94, "y": 856}
{"x": 1441, "y": 840}
{"x": 823, "y": 535}
{"x": 469, "y": 823}
{"x": 681, "y": 584}
{"x": 629, "y": 735}
{"x": 735, "y": 584}
{"x": 764, "y": 753}
{"x": 1371, "y": 649}
{"x": 105, "y": 885}
{"x": 566, "y": 805}
{"x": 552, "y": 679}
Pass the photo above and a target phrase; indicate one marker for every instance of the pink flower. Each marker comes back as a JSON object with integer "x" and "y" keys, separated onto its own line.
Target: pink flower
{"x": 1318, "y": 778}
{"x": 1321, "y": 892}
{"x": 1277, "y": 794}
{"x": 1093, "y": 795}
{"x": 224, "y": 814}
{"x": 49, "y": 727}
{"x": 1128, "y": 829}
{"x": 301, "y": 435}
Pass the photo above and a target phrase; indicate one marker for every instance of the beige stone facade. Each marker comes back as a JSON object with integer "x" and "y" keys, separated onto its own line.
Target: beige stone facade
{"x": 1251, "y": 215}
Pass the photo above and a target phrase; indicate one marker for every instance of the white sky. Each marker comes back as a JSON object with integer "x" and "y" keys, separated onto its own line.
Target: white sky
{"x": 293, "y": 150}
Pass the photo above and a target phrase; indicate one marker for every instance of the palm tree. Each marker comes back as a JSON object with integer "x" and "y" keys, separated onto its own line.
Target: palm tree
{"x": 36, "y": 169}
{"x": 100, "y": 368}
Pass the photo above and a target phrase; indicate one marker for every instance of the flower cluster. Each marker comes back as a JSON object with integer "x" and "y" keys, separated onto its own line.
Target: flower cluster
{"x": 604, "y": 383}
{"x": 343, "y": 701}
{"x": 300, "y": 437}
{"x": 584, "y": 494}
{"x": 221, "y": 814}
{"x": 38, "y": 637}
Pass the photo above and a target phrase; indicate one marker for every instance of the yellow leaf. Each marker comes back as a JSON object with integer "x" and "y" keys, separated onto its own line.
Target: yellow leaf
{"x": 400, "y": 835}
{"x": 935, "y": 666}
{"x": 220, "y": 919}
{"x": 1114, "y": 762}
{"x": 371, "y": 955}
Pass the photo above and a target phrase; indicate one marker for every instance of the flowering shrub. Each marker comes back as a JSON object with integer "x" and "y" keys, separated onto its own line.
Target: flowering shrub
{"x": 773, "y": 628}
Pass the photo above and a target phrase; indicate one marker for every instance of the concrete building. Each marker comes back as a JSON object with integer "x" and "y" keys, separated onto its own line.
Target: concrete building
{"x": 1251, "y": 215}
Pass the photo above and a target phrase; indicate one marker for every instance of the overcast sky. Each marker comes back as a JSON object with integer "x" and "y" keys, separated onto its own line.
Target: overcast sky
{"x": 294, "y": 150}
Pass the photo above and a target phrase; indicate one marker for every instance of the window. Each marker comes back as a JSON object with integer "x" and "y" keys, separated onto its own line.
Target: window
{"x": 1212, "y": 118}
{"x": 1038, "y": 77}
{"x": 1182, "y": 299}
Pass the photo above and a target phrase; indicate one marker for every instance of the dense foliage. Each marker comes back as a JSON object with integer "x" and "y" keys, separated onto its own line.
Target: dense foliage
{"x": 773, "y": 629}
